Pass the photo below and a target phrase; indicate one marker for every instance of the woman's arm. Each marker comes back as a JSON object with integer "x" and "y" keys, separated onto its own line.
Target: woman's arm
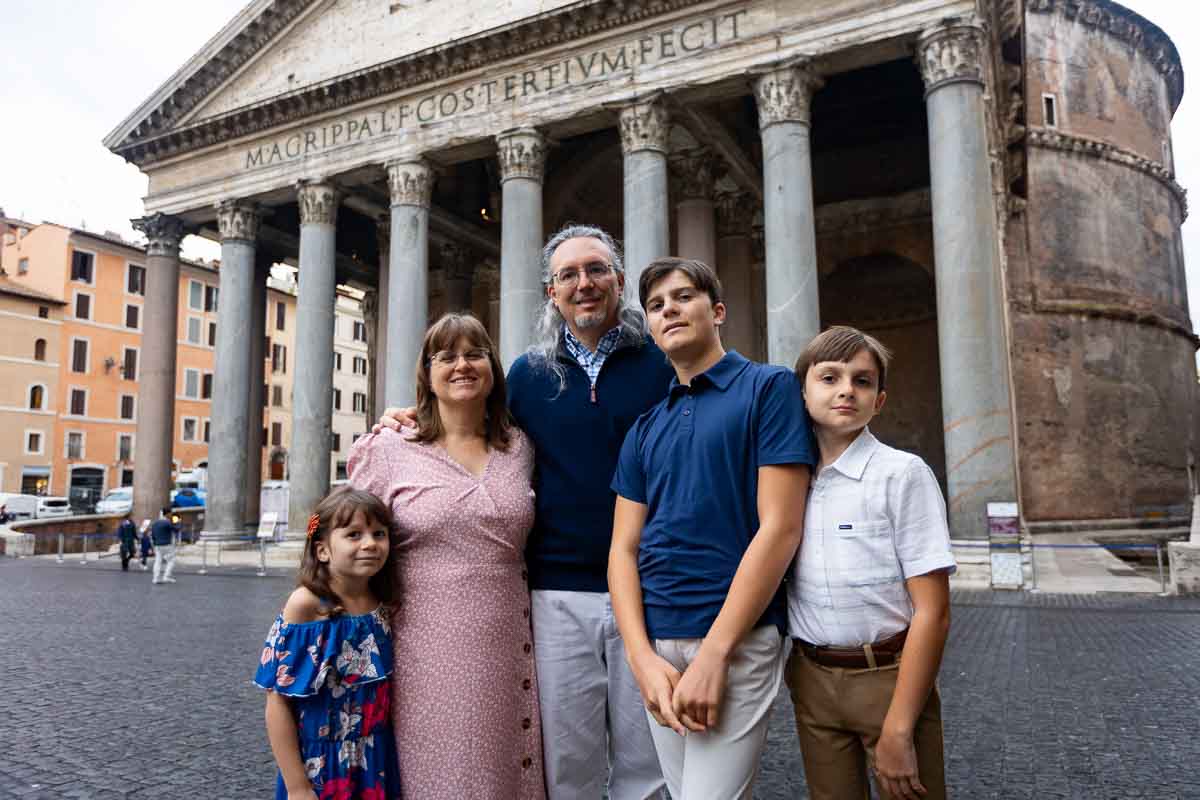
{"x": 655, "y": 676}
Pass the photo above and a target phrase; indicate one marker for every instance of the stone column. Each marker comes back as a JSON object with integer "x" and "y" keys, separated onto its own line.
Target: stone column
{"x": 238, "y": 223}
{"x": 411, "y": 184}
{"x": 155, "y": 438}
{"x": 522, "y": 157}
{"x": 976, "y": 414}
{"x": 254, "y": 415}
{"x": 644, "y": 127}
{"x": 312, "y": 390}
{"x": 695, "y": 219}
{"x": 457, "y": 269}
{"x": 378, "y": 336}
{"x": 489, "y": 297}
{"x": 784, "y": 99}
{"x": 735, "y": 259}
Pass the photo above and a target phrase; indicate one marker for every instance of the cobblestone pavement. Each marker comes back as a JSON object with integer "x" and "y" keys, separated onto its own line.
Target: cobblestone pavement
{"x": 119, "y": 689}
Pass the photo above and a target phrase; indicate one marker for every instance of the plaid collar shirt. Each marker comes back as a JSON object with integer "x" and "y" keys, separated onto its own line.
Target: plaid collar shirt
{"x": 592, "y": 362}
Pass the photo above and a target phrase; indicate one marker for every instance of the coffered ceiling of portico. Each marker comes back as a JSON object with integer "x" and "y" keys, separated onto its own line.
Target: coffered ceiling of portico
{"x": 340, "y": 37}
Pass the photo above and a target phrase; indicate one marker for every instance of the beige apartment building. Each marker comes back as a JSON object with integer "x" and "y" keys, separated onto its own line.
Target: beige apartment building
{"x": 72, "y": 305}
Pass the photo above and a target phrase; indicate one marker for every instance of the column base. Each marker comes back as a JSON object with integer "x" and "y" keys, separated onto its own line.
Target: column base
{"x": 1185, "y": 567}
{"x": 974, "y": 564}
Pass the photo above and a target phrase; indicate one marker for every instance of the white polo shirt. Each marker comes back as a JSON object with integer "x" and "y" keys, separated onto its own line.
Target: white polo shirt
{"x": 875, "y": 517}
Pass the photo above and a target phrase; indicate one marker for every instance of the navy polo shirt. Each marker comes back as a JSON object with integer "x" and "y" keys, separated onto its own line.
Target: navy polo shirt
{"x": 693, "y": 460}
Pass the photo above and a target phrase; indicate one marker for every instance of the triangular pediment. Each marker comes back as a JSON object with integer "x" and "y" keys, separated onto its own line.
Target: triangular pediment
{"x": 341, "y": 37}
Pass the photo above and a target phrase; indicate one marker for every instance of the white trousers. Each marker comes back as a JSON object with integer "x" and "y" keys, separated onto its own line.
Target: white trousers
{"x": 722, "y": 762}
{"x": 594, "y": 730}
{"x": 164, "y": 556}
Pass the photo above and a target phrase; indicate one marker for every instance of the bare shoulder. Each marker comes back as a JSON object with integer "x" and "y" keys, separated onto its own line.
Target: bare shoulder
{"x": 302, "y": 606}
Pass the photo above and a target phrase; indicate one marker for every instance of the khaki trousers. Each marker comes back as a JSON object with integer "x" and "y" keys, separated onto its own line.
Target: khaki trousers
{"x": 839, "y": 716}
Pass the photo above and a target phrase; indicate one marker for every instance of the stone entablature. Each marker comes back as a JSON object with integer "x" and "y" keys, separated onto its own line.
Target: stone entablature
{"x": 666, "y": 49}
{"x": 1125, "y": 26}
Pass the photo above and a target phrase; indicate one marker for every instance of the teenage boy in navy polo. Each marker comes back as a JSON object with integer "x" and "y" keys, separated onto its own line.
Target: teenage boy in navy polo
{"x": 870, "y": 584}
{"x": 706, "y": 523}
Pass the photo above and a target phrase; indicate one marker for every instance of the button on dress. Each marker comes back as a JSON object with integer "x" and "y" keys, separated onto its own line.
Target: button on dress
{"x": 464, "y": 703}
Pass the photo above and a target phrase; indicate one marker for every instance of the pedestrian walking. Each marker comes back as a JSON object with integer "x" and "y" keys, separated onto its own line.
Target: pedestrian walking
{"x": 146, "y": 545}
{"x": 327, "y": 661}
{"x": 127, "y": 533}
{"x": 163, "y": 533}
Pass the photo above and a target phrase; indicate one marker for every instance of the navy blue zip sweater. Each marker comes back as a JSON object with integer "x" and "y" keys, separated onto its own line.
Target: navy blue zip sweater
{"x": 577, "y": 438}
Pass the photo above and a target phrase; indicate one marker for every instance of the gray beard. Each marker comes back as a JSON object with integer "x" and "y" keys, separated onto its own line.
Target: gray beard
{"x": 585, "y": 321}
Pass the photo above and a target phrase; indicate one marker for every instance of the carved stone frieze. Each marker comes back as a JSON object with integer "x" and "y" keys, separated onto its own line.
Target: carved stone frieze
{"x": 163, "y": 234}
{"x": 1124, "y": 26}
{"x": 318, "y": 202}
{"x": 644, "y": 125}
{"x": 735, "y": 214}
{"x": 951, "y": 53}
{"x": 238, "y": 219}
{"x": 522, "y": 154}
{"x": 1093, "y": 148}
{"x": 695, "y": 172}
{"x": 411, "y": 182}
{"x": 155, "y": 137}
{"x": 785, "y": 94}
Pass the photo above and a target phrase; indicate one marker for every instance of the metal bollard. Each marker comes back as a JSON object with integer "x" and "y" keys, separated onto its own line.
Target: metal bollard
{"x": 1162, "y": 578}
{"x": 218, "y": 553}
{"x": 61, "y": 541}
{"x": 203, "y": 559}
{"x": 83, "y": 536}
{"x": 262, "y": 559}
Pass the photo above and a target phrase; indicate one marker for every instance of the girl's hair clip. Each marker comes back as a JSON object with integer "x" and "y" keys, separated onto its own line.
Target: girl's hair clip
{"x": 314, "y": 522}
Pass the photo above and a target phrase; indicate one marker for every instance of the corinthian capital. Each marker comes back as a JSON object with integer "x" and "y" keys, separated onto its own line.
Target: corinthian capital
{"x": 163, "y": 234}
{"x": 238, "y": 219}
{"x": 318, "y": 202}
{"x": 522, "y": 154}
{"x": 411, "y": 182}
{"x": 644, "y": 125}
{"x": 951, "y": 53}
{"x": 695, "y": 171}
{"x": 735, "y": 214}
{"x": 785, "y": 94}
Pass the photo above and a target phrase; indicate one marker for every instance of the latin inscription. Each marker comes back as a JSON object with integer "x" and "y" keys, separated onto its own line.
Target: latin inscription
{"x": 674, "y": 43}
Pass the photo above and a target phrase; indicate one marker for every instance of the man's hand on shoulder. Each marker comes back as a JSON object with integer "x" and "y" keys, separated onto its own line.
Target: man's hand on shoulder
{"x": 396, "y": 418}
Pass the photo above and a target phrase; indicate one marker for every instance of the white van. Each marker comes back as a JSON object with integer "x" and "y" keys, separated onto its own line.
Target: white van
{"x": 19, "y": 506}
{"x": 53, "y": 507}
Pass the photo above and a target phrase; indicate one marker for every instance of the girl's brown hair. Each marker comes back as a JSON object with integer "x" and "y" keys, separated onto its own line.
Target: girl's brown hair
{"x": 336, "y": 511}
{"x": 444, "y": 335}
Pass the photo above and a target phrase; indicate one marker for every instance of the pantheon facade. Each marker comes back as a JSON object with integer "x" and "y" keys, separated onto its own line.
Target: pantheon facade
{"x": 986, "y": 185}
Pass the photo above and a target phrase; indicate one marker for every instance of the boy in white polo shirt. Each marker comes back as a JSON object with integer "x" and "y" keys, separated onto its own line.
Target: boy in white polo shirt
{"x": 869, "y": 596}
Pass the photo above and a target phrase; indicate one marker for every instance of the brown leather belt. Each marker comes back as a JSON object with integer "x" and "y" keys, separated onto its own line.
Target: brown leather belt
{"x": 869, "y": 656}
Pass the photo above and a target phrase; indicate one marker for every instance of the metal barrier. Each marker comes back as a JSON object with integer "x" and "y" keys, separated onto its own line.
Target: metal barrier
{"x": 84, "y": 559}
{"x": 1029, "y": 547}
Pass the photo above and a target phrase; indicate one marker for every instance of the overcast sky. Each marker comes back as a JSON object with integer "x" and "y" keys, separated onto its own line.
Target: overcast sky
{"x": 74, "y": 70}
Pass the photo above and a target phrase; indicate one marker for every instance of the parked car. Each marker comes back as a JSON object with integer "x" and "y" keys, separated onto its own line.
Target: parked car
{"x": 53, "y": 507}
{"x": 19, "y": 506}
{"x": 117, "y": 501}
{"x": 188, "y": 498}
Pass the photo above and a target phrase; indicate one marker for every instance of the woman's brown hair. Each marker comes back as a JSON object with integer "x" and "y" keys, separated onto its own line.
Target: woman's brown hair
{"x": 336, "y": 511}
{"x": 444, "y": 335}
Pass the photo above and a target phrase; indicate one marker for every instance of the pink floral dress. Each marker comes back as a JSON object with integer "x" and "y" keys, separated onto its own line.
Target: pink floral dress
{"x": 464, "y": 702}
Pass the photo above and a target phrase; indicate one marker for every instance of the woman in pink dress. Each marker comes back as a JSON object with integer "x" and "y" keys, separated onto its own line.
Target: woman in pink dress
{"x": 465, "y": 707}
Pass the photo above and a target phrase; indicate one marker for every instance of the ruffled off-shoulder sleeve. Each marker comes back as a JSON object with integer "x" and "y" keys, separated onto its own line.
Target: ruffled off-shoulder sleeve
{"x": 298, "y": 659}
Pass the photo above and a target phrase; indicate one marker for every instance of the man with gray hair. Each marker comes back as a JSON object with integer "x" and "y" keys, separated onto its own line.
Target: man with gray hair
{"x": 591, "y": 372}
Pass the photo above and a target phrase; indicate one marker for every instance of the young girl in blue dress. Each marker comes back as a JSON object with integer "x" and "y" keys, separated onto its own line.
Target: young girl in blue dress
{"x": 327, "y": 661}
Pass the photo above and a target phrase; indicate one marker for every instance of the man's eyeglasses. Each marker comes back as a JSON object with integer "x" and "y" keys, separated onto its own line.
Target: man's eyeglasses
{"x": 569, "y": 276}
{"x": 448, "y": 358}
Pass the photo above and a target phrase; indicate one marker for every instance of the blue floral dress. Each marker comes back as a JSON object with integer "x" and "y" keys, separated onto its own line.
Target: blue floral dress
{"x": 336, "y": 673}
